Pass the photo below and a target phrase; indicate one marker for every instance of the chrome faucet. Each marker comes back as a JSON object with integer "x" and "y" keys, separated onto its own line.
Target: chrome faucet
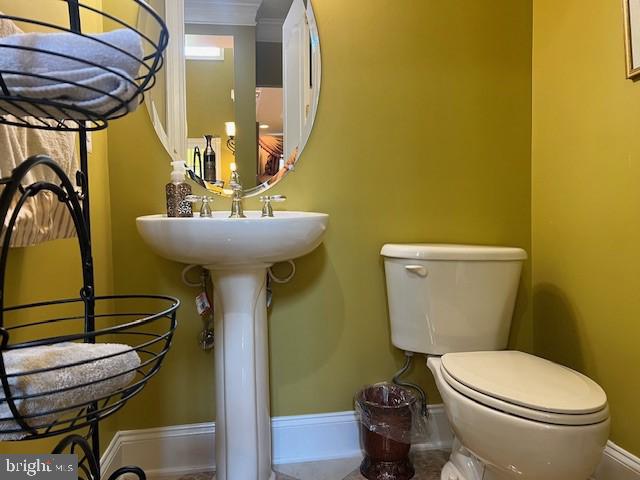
{"x": 237, "y": 210}
{"x": 267, "y": 208}
{"x": 206, "y": 210}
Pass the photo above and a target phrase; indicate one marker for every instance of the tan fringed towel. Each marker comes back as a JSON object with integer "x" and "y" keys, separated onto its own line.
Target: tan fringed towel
{"x": 106, "y": 375}
{"x": 43, "y": 217}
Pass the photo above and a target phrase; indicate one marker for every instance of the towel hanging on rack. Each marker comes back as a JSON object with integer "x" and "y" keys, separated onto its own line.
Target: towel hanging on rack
{"x": 43, "y": 218}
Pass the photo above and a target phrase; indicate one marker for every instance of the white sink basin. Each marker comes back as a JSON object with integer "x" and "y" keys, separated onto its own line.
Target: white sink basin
{"x": 222, "y": 241}
{"x": 237, "y": 252}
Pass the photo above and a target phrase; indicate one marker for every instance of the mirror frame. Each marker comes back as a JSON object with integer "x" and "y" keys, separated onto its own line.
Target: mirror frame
{"x": 174, "y": 139}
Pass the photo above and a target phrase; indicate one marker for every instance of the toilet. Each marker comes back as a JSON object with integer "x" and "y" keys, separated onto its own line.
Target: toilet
{"x": 514, "y": 415}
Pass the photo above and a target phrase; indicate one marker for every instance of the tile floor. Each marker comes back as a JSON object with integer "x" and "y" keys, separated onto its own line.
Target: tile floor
{"x": 427, "y": 463}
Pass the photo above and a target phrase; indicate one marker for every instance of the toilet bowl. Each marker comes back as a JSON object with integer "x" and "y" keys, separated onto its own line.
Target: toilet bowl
{"x": 514, "y": 415}
{"x": 500, "y": 439}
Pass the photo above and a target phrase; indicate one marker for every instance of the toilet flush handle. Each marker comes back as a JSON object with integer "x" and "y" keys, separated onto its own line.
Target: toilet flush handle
{"x": 417, "y": 269}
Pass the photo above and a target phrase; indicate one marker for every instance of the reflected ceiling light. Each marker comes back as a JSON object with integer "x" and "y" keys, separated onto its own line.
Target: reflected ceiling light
{"x": 264, "y": 126}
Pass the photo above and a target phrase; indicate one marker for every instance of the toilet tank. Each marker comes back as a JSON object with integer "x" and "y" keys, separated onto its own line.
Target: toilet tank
{"x": 451, "y": 298}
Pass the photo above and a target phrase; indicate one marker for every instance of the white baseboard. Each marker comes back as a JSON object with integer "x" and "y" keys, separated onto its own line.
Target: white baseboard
{"x": 183, "y": 449}
{"x": 618, "y": 464}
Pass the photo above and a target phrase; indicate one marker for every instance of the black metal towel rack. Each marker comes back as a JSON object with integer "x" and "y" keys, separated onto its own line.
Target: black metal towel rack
{"x": 144, "y": 322}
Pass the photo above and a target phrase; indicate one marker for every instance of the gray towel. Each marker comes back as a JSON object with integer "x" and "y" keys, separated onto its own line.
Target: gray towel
{"x": 98, "y": 86}
{"x": 29, "y": 359}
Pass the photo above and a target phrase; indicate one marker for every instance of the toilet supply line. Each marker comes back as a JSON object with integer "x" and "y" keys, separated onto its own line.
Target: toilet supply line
{"x": 421, "y": 393}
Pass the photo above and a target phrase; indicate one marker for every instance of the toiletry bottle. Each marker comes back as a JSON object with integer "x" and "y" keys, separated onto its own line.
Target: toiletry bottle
{"x": 177, "y": 191}
{"x": 197, "y": 161}
{"x": 209, "y": 161}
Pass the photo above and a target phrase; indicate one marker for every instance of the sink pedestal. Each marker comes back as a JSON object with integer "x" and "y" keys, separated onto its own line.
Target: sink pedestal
{"x": 243, "y": 420}
{"x": 237, "y": 252}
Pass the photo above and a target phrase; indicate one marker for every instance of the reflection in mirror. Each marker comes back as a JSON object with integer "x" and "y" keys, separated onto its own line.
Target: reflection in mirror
{"x": 155, "y": 98}
{"x": 252, "y": 81}
{"x": 165, "y": 102}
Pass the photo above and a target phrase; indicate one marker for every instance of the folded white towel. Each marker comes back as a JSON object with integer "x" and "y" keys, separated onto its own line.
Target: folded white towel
{"x": 71, "y": 80}
{"x": 94, "y": 89}
{"x": 81, "y": 49}
{"x": 29, "y": 359}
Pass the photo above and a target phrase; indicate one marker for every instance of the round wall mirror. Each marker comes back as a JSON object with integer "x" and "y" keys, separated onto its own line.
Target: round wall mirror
{"x": 240, "y": 89}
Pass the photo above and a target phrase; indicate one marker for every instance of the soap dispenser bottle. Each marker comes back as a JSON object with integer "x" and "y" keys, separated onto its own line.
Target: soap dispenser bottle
{"x": 177, "y": 191}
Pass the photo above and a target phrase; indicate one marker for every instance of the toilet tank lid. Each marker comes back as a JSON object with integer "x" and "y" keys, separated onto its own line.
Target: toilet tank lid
{"x": 435, "y": 251}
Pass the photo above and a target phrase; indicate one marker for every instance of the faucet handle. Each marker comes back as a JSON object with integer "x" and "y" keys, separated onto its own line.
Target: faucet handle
{"x": 267, "y": 209}
{"x": 234, "y": 181}
{"x": 205, "y": 209}
{"x": 273, "y": 198}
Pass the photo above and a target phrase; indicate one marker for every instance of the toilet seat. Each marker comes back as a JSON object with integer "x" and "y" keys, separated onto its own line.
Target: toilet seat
{"x": 526, "y": 386}
{"x": 508, "y": 446}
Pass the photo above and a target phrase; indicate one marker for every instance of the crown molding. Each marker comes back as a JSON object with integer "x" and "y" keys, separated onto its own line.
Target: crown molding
{"x": 222, "y": 12}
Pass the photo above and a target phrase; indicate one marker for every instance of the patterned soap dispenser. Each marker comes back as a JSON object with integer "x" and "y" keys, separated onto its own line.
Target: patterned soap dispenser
{"x": 177, "y": 191}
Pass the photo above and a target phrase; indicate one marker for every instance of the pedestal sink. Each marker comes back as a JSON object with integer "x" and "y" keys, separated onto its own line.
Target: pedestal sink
{"x": 238, "y": 252}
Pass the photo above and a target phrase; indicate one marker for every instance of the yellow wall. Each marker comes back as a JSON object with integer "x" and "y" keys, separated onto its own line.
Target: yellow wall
{"x": 209, "y": 104}
{"x": 586, "y": 201}
{"x": 158, "y": 94}
{"x": 422, "y": 134}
